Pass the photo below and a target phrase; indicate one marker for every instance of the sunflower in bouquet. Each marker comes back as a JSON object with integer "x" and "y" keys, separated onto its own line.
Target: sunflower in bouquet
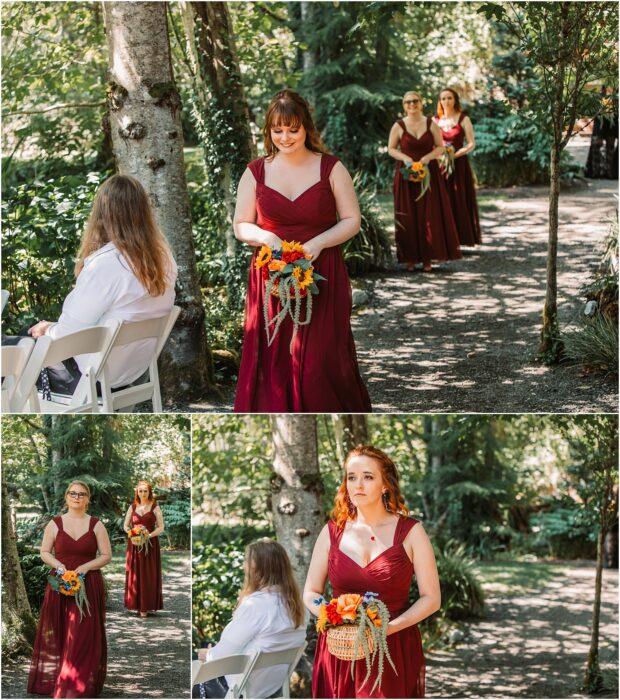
{"x": 418, "y": 172}
{"x": 140, "y": 538}
{"x": 356, "y": 628}
{"x": 446, "y": 162}
{"x": 291, "y": 278}
{"x": 70, "y": 583}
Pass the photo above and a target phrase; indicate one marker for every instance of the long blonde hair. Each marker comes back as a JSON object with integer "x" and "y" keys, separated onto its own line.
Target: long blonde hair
{"x": 267, "y": 566}
{"x": 122, "y": 215}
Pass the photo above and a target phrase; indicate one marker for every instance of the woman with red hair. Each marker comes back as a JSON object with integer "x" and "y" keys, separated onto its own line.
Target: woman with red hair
{"x": 458, "y": 131}
{"x": 298, "y": 192}
{"x": 371, "y": 544}
{"x": 143, "y": 563}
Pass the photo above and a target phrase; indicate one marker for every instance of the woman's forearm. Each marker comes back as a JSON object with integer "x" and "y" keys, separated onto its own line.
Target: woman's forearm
{"x": 437, "y": 152}
{"x": 252, "y": 234}
{"x": 423, "y": 607}
{"x": 399, "y": 155}
{"x": 468, "y": 148}
{"x": 49, "y": 559}
{"x": 98, "y": 562}
{"x": 341, "y": 232}
{"x": 157, "y": 531}
{"x": 309, "y": 598}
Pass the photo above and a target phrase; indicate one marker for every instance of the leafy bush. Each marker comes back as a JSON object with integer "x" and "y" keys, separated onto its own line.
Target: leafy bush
{"x": 370, "y": 249}
{"x": 176, "y": 510}
{"x": 511, "y": 147}
{"x": 42, "y": 226}
{"x": 35, "y": 574}
{"x": 562, "y": 531}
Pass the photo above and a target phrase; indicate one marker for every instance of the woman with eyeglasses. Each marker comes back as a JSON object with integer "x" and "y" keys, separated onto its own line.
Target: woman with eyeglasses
{"x": 425, "y": 227}
{"x": 70, "y": 650}
{"x": 458, "y": 131}
{"x": 143, "y": 584}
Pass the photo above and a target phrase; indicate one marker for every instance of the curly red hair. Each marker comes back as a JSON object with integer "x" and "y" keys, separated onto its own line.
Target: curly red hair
{"x": 136, "y": 498}
{"x": 395, "y": 503}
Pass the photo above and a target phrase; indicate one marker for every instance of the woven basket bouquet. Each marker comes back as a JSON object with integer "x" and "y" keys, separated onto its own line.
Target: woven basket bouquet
{"x": 356, "y": 628}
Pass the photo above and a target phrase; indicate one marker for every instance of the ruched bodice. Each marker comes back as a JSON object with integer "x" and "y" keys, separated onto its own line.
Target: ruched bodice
{"x": 389, "y": 575}
{"x": 414, "y": 147}
{"x": 72, "y": 553}
{"x": 455, "y": 135}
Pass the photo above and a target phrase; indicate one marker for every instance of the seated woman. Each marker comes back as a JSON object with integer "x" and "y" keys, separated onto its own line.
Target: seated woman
{"x": 125, "y": 271}
{"x": 269, "y": 617}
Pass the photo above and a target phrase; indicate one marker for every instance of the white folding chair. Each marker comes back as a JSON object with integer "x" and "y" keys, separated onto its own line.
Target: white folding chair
{"x": 267, "y": 659}
{"x": 239, "y": 664}
{"x": 14, "y": 359}
{"x": 130, "y": 332}
{"x": 47, "y": 351}
{"x": 5, "y": 298}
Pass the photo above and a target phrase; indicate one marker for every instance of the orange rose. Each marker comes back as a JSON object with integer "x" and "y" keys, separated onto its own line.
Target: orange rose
{"x": 374, "y": 616}
{"x": 347, "y": 605}
{"x": 417, "y": 166}
{"x": 276, "y": 265}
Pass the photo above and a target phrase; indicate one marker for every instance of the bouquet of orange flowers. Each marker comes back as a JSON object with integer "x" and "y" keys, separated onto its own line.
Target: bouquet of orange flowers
{"x": 418, "y": 172}
{"x": 70, "y": 583}
{"x": 139, "y": 536}
{"x": 446, "y": 162}
{"x": 289, "y": 276}
{"x": 356, "y": 628}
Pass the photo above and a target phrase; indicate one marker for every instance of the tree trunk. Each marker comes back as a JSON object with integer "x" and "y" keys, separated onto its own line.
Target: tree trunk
{"x": 16, "y": 610}
{"x": 296, "y": 489}
{"x": 350, "y": 430}
{"x": 145, "y": 122}
{"x": 593, "y": 681}
{"x": 228, "y": 140}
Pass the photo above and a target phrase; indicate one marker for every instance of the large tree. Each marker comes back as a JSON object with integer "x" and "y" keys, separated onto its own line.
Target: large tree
{"x": 296, "y": 488}
{"x": 145, "y": 123}
{"x": 570, "y": 46}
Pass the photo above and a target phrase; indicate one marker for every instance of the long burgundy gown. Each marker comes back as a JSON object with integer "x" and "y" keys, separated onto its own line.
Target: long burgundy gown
{"x": 389, "y": 575}
{"x": 461, "y": 189}
{"x": 70, "y": 655}
{"x": 425, "y": 230}
{"x": 321, "y": 375}
{"x": 143, "y": 585}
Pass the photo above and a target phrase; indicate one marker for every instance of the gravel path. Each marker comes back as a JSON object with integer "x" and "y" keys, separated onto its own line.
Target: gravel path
{"x": 146, "y": 658}
{"x": 463, "y": 338}
{"x": 534, "y": 640}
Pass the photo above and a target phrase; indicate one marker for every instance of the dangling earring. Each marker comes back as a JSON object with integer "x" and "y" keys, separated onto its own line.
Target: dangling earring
{"x": 350, "y": 507}
{"x": 386, "y": 501}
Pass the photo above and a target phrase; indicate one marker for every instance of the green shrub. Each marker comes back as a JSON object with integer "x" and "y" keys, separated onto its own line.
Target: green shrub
{"x": 176, "y": 510}
{"x": 370, "y": 249}
{"x": 594, "y": 345}
{"x": 42, "y": 226}
{"x": 511, "y": 148}
{"x": 561, "y": 531}
{"x": 35, "y": 574}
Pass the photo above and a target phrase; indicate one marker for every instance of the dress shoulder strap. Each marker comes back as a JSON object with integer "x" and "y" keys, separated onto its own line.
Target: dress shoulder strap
{"x": 334, "y": 533}
{"x": 58, "y": 520}
{"x": 462, "y": 116}
{"x": 327, "y": 164}
{"x": 92, "y": 523}
{"x": 429, "y": 121}
{"x": 153, "y": 505}
{"x": 257, "y": 168}
{"x": 405, "y": 524}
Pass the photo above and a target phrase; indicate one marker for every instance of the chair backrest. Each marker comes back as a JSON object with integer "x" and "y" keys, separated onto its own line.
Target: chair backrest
{"x": 130, "y": 332}
{"x": 14, "y": 359}
{"x": 226, "y": 666}
{"x": 267, "y": 659}
{"x": 5, "y": 298}
{"x": 47, "y": 351}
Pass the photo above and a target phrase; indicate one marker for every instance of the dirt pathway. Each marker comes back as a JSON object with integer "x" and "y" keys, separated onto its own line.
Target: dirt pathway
{"x": 462, "y": 339}
{"x": 146, "y": 658}
{"x": 534, "y": 640}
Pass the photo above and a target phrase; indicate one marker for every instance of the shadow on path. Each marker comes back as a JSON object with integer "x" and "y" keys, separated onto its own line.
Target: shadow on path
{"x": 534, "y": 640}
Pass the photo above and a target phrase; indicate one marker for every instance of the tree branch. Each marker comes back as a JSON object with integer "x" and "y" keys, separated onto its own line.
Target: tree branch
{"x": 54, "y": 107}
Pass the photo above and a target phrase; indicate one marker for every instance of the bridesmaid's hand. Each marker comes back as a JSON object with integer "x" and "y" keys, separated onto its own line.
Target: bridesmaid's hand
{"x": 82, "y": 569}
{"x": 273, "y": 241}
{"x": 313, "y": 248}
{"x": 60, "y": 568}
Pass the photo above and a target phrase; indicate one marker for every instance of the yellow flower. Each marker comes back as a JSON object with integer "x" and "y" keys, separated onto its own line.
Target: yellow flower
{"x": 347, "y": 605}
{"x": 322, "y": 620}
{"x": 292, "y": 247}
{"x": 263, "y": 257}
{"x": 416, "y": 167}
{"x": 303, "y": 277}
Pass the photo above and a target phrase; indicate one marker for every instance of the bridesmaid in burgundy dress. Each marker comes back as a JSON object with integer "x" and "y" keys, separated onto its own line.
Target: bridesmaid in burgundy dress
{"x": 143, "y": 587}
{"x": 456, "y": 129}
{"x": 425, "y": 229}
{"x": 70, "y": 654}
{"x": 371, "y": 545}
{"x": 298, "y": 192}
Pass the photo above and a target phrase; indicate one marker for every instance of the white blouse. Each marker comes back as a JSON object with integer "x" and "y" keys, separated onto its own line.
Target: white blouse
{"x": 105, "y": 289}
{"x": 260, "y": 623}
